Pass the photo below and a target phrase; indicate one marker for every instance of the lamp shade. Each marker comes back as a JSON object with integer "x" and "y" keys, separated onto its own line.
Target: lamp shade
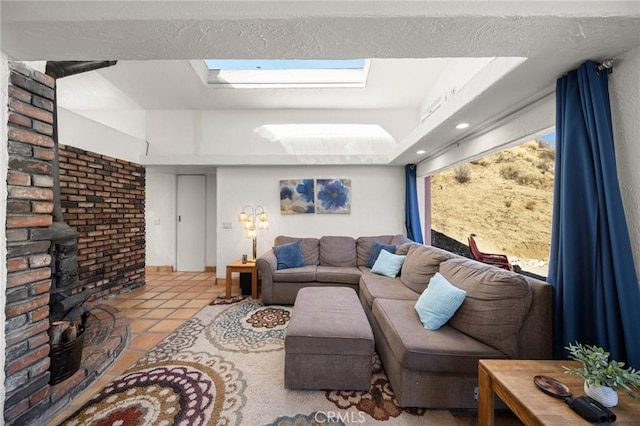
{"x": 252, "y": 219}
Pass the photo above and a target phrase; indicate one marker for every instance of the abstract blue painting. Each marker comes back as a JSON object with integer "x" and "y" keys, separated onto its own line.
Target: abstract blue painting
{"x": 297, "y": 196}
{"x": 334, "y": 196}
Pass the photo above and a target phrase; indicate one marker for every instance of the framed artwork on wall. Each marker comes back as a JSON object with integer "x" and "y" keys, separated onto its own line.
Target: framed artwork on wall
{"x": 297, "y": 196}
{"x": 334, "y": 196}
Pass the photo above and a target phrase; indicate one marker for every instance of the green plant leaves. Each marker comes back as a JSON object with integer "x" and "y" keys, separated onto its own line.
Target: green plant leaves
{"x": 598, "y": 370}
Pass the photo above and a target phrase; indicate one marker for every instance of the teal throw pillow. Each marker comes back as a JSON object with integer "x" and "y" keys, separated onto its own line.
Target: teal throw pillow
{"x": 375, "y": 252}
{"x": 289, "y": 255}
{"x": 437, "y": 304}
{"x": 388, "y": 264}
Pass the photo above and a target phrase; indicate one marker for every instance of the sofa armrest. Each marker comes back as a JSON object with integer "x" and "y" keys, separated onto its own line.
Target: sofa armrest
{"x": 267, "y": 264}
{"x": 535, "y": 340}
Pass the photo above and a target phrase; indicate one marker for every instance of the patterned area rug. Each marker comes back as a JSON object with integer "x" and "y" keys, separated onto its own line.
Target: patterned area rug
{"x": 225, "y": 366}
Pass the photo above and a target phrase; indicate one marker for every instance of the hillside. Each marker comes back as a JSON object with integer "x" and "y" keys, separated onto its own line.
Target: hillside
{"x": 505, "y": 199}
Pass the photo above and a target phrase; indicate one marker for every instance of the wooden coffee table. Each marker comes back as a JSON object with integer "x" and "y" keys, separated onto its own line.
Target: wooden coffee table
{"x": 512, "y": 381}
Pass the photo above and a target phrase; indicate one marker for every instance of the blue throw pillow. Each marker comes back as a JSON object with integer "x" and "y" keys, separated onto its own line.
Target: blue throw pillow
{"x": 375, "y": 252}
{"x": 388, "y": 264}
{"x": 289, "y": 255}
{"x": 437, "y": 304}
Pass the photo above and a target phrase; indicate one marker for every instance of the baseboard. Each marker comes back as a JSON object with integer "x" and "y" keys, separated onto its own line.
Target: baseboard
{"x": 151, "y": 269}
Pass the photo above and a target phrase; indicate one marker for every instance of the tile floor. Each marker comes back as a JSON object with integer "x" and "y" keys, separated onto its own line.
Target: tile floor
{"x": 158, "y": 308}
{"x": 154, "y": 311}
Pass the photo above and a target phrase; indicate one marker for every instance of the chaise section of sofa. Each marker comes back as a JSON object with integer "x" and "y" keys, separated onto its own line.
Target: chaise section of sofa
{"x": 504, "y": 315}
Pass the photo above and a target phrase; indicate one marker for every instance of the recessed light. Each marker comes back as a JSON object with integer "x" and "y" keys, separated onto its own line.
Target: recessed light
{"x": 422, "y": 151}
{"x": 461, "y": 126}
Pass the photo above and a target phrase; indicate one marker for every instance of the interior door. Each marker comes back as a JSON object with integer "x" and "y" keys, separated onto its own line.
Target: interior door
{"x": 191, "y": 235}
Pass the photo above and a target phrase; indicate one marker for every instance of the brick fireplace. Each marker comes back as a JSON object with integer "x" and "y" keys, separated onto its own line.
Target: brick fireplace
{"x": 102, "y": 200}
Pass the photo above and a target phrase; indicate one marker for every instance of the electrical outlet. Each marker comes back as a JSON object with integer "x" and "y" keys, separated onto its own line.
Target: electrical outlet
{"x": 226, "y": 225}
{"x": 156, "y": 221}
{"x": 475, "y": 394}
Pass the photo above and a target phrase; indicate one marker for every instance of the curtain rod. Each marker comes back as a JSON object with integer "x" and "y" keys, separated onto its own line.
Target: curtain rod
{"x": 607, "y": 64}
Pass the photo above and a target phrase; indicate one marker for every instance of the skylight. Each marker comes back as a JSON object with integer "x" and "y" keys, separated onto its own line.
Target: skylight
{"x": 284, "y": 64}
{"x": 290, "y": 73}
{"x": 367, "y": 142}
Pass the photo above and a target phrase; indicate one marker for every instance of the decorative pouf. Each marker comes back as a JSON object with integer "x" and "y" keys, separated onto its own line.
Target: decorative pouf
{"x": 329, "y": 343}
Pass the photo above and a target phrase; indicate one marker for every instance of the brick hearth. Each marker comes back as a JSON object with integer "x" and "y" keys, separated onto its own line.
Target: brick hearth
{"x": 106, "y": 336}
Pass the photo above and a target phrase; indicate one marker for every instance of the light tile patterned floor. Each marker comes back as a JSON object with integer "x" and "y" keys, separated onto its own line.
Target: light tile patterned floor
{"x": 153, "y": 311}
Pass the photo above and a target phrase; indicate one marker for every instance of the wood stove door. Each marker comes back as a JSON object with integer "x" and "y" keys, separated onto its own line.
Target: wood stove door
{"x": 191, "y": 226}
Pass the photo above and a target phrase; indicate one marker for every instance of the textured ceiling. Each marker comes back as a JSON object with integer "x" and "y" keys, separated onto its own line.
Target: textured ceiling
{"x": 306, "y": 29}
{"x": 554, "y": 37}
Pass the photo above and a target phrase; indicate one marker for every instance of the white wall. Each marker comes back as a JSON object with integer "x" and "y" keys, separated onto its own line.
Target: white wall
{"x": 84, "y": 133}
{"x": 161, "y": 214}
{"x": 624, "y": 91}
{"x": 131, "y": 122}
{"x": 377, "y": 208}
{"x": 377, "y": 205}
{"x": 4, "y": 162}
{"x": 232, "y": 133}
{"x": 160, "y": 218}
{"x": 211, "y": 248}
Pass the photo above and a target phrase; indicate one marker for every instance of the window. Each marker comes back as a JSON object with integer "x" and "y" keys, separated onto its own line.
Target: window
{"x": 276, "y": 73}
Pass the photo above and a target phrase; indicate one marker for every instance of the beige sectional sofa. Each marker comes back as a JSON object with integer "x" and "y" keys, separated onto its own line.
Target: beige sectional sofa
{"x": 504, "y": 315}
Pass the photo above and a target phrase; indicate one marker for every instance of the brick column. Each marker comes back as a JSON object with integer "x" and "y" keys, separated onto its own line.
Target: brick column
{"x": 29, "y": 216}
{"x": 102, "y": 198}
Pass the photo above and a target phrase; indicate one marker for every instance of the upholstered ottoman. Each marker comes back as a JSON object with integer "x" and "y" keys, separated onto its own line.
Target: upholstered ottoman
{"x": 329, "y": 342}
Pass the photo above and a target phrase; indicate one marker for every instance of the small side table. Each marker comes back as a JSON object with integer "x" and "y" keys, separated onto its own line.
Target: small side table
{"x": 249, "y": 267}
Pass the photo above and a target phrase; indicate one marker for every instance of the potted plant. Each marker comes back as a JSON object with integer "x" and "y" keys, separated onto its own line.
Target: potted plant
{"x": 602, "y": 376}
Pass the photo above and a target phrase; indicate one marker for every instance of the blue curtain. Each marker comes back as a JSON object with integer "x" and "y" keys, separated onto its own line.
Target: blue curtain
{"x": 597, "y": 298}
{"x": 412, "y": 212}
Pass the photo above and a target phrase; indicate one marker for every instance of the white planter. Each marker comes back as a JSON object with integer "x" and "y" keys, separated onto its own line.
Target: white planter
{"x": 603, "y": 394}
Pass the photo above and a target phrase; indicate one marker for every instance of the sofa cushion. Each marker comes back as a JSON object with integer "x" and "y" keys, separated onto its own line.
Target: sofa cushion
{"x": 399, "y": 239}
{"x": 421, "y": 264}
{"x": 289, "y": 255}
{"x": 309, "y": 247}
{"x": 337, "y": 251}
{"x": 438, "y": 302}
{"x": 364, "y": 245}
{"x": 496, "y": 304}
{"x": 374, "y": 286}
{"x": 375, "y": 252}
{"x": 444, "y": 351}
{"x": 295, "y": 275}
{"x": 388, "y": 264}
{"x": 338, "y": 274}
{"x": 403, "y": 248}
